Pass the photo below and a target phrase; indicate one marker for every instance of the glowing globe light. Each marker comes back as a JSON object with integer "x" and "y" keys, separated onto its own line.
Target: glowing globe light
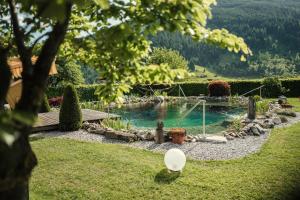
{"x": 175, "y": 160}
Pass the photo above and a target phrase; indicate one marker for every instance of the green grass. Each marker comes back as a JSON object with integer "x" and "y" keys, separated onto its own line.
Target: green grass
{"x": 80, "y": 170}
{"x": 211, "y": 75}
{"x": 296, "y": 103}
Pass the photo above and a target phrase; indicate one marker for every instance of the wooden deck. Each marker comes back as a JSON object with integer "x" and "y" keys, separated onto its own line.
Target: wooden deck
{"x": 50, "y": 120}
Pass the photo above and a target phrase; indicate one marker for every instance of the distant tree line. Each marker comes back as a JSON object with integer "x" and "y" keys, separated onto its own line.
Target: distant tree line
{"x": 270, "y": 28}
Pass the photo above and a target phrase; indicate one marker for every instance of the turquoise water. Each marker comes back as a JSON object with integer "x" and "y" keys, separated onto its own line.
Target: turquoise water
{"x": 173, "y": 116}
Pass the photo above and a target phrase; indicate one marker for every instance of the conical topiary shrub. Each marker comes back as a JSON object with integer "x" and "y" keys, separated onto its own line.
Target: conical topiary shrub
{"x": 70, "y": 116}
{"x": 45, "y": 107}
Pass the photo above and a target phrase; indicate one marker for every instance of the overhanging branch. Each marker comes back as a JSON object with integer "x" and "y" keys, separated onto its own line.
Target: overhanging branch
{"x": 19, "y": 38}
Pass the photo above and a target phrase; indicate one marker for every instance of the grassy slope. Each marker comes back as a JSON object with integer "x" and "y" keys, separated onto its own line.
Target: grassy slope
{"x": 80, "y": 170}
{"x": 211, "y": 75}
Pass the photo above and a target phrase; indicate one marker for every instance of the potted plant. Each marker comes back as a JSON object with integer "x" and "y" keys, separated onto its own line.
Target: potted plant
{"x": 178, "y": 135}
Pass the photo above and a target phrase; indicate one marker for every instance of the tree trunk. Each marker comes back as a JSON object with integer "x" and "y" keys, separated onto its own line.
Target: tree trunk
{"x": 18, "y": 192}
{"x": 5, "y": 76}
{"x": 18, "y": 159}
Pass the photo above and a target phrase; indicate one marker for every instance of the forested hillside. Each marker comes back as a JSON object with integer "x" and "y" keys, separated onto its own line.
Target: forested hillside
{"x": 270, "y": 27}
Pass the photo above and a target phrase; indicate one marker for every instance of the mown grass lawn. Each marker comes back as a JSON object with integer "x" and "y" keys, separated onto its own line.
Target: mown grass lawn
{"x": 296, "y": 103}
{"x": 80, "y": 170}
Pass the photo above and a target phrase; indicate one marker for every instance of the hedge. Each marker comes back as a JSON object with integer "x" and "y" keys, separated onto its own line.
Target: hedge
{"x": 238, "y": 87}
{"x": 85, "y": 92}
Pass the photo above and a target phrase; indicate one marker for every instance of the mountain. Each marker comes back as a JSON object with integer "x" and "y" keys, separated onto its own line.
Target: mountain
{"x": 271, "y": 28}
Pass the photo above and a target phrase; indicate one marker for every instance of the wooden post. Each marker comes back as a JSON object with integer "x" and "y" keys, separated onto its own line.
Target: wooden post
{"x": 159, "y": 136}
{"x": 251, "y": 108}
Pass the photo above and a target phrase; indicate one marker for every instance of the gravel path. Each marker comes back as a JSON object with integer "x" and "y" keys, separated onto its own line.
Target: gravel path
{"x": 236, "y": 148}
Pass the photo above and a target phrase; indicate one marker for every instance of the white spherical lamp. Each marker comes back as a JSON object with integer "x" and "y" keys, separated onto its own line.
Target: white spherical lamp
{"x": 175, "y": 160}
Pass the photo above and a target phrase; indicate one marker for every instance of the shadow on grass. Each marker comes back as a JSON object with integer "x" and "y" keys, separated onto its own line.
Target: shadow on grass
{"x": 166, "y": 177}
{"x": 35, "y": 138}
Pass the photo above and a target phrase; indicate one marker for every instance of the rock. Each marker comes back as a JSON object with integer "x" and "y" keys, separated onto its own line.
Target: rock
{"x": 140, "y": 135}
{"x": 194, "y": 140}
{"x": 159, "y": 99}
{"x": 269, "y": 114}
{"x": 283, "y": 119}
{"x": 268, "y": 124}
{"x": 276, "y": 120}
{"x": 85, "y": 125}
{"x": 247, "y": 120}
{"x": 214, "y": 139}
{"x": 255, "y": 131}
{"x": 229, "y": 137}
{"x": 287, "y": 113}
{"x": 260, "y": 129}
{"x": 119, "y": 135}
{"x": 98, "y": 131}
{"x": 149, "y": 136}
{"x": 243, "y": 133}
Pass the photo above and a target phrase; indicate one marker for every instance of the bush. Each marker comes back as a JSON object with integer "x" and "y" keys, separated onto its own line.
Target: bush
{"x": 45, "y": 107}
{"x": 70, "y": 116}
{"x": 262, "y": 106}
{"x": 272, "y": 87}
{"x": 218, "y": 88}
{"x": 69, "y": 72}
{"x": 256, "y": 98}
{"x": 237, "y": 87}
{"x": 55, "y": 101}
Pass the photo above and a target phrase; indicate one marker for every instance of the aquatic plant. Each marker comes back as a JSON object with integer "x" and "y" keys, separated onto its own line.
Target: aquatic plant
{"x": 116, "y": 124}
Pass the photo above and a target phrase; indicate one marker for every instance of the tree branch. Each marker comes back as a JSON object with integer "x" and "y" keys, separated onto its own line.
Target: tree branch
{"x": 38, "y": 39}
{"x": 25, "y": 55}
{"x": 34, "y": 86}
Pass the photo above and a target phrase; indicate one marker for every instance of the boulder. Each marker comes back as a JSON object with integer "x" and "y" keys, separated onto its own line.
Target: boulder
{"x": 159, "y": 99}
{"x": 255, "y": 131}
{"x": 276, "y": 120}
{"x": 149, "y": 136}
{"x": 99, "y": 131}
{"x": 268, "y": 124}
{"x": 229, "y": 137}
{"x": 85, "y": 125}
{"x": 260, "y": 129}
{"x": 214, "y": 139}
{"x": 288, "y": 113}
{"x": 283, "y": 119}
{"x": 119, "y": 135}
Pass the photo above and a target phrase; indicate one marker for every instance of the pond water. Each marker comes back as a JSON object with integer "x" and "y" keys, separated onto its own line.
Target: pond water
{"x": 179, "y": 115}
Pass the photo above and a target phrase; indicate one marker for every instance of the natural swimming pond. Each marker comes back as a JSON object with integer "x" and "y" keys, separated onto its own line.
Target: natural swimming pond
{"x": 179, "y": 115}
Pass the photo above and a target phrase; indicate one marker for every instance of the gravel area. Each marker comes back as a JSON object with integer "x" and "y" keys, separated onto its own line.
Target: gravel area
{"x": 236, "y": 148}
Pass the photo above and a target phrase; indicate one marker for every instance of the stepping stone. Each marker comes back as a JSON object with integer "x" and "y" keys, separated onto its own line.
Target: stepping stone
{"x": 214, "y": 139}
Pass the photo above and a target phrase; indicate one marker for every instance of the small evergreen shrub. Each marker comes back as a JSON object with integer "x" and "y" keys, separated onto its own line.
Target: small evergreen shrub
{"x": 272, "y": 87}
{"x": 44, "y": 107}
{"x": 218, "y": 88}
{"x": 70, "y": 116}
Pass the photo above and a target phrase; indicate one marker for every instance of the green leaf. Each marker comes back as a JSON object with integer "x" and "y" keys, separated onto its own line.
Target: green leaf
{"x": 8, "y": 138}
{"x": 104, "y": 4}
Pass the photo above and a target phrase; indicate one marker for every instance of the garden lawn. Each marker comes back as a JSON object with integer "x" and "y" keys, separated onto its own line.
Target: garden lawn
{"x": 71, "y": 169}
{"x": 296, "y": 103}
